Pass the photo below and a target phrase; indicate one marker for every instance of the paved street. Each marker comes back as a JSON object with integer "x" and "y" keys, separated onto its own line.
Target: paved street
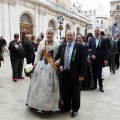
{"x": 94, "y": 104}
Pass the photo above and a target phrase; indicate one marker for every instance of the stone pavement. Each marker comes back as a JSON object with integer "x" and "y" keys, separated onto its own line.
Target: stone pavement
{"x": 94, "y": 104}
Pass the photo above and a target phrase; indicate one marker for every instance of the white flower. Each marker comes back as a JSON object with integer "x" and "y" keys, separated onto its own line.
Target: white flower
{"x": 28, "y": 68}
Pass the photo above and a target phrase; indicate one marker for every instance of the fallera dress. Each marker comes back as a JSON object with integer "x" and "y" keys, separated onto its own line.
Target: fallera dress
{"x": 43, "y": 93}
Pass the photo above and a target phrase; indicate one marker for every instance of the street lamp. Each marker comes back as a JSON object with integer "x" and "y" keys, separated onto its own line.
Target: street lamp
{"x": 60, "y": 21}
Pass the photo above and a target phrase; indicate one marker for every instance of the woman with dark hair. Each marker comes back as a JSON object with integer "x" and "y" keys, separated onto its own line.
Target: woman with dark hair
{"x": 88, "y": 81}
{"x": 89, "y": 36}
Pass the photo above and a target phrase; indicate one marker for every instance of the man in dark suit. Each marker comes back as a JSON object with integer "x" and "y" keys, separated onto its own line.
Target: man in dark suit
{"x": 112, "y": 52}
{"x": 16, "y": 57}
{"x": 117, "y": 39}
{"x": 102, "y": 35}
{"x": 73, "y": 66}
{"x": 99, "y": 53}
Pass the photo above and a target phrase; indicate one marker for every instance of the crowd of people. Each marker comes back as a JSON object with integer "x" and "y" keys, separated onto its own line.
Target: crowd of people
{"x": 62, "y": 70}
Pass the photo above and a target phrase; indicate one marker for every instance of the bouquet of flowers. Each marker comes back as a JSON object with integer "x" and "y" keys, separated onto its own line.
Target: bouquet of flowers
{"x": 28, "y": 70}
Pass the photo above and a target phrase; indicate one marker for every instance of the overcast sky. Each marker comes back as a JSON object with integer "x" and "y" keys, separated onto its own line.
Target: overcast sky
{"x": 90, "y": 4}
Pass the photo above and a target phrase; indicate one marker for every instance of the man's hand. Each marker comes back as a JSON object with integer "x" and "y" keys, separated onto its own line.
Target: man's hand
{"x": 117, "y": 52}
{"x": 81, "y": 78}
{"x": 89, "y": 50}
{"x": 89, "y": 61}
{"x": 61, "y": 69}
{"x": 93, "y": 57}
{"x": 105, "y": 62}
{"x": 17, "y": 46}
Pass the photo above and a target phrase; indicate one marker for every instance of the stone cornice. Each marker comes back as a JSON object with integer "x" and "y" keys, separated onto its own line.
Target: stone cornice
{"x": 114, "y": 1}
{"x": 11, "y": 2}
{"x": 59, "y": 8}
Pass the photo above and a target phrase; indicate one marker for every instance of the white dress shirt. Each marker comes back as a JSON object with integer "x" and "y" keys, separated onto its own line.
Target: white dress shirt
{"x": 70, "y": 54}
{"x": 117, "y": 39}
{"x": 97, "y": 41}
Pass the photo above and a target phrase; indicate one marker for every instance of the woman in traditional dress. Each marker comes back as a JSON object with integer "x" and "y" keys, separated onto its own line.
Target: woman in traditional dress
{"x": 43, "y": 94}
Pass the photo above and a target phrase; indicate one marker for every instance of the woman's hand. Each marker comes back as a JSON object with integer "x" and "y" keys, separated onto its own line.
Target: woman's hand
{"x": 34, "y": 65}
{"x": 57, "y": 62}
{"x": 81, "y": 78}
{"x": 89, "y": 50}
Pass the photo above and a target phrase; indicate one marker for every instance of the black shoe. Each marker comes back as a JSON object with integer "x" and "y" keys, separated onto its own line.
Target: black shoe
{"x": 14, "y": 80}
{"x": 113, "y": 72}
{"x": 93, "y": 88}
{"x": 65, "y": 110}
{"x": 101, "y": 89}
{"x": 74, "y": 114}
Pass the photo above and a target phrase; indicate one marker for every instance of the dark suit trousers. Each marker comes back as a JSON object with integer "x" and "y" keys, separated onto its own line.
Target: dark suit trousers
{"x": 112, "y": 62}
{"x": 71, "y": 89}
{"x": 117, "y": 60}
{"x": 97, "y": 73}
{"x": 17, "y": 68}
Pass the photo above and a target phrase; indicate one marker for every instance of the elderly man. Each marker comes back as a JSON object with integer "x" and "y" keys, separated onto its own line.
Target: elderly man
{"x": 73, "y": 66}
{"x": 16, "y": 57}
{"x": 98, "y": 52}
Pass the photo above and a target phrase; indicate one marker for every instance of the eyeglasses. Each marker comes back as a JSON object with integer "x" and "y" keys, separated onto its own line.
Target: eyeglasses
{"x": 69, "y": 35}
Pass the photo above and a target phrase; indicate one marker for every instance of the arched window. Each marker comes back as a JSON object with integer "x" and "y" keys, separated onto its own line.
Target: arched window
{"x": 25, "y": 18}
{"x": 77, "y": 31}
{"x": 67, "y": 27}
{"x": 26, "y": 26}
{"x": 51, "y": 24}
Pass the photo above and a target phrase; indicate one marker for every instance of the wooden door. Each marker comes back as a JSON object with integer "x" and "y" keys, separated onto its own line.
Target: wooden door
{"x": 25, "y": 29}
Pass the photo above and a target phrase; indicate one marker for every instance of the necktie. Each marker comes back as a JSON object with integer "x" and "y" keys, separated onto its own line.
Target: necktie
{"x": 66, "y": 59}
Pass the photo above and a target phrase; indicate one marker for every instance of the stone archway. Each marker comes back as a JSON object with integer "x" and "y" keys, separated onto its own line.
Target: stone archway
{"x": 26, "y": 26}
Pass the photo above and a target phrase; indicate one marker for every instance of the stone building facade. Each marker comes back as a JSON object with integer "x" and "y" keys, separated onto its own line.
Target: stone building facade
{"x": 103, "y": 22}
{"x": 115, "y": 14}
{"x": 35, "y": 16}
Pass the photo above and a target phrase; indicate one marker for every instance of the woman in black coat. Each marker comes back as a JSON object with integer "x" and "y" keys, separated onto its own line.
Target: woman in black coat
{"x": 29, "y": 49}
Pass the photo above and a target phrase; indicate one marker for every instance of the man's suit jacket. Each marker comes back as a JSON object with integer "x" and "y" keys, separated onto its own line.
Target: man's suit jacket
{"x": 16, "y": 53}
{"x": 118, "y": 45}
{"x": 113, "y": 47}
{"x": 78, "y": 66}
{"x": 101, "y": 51}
